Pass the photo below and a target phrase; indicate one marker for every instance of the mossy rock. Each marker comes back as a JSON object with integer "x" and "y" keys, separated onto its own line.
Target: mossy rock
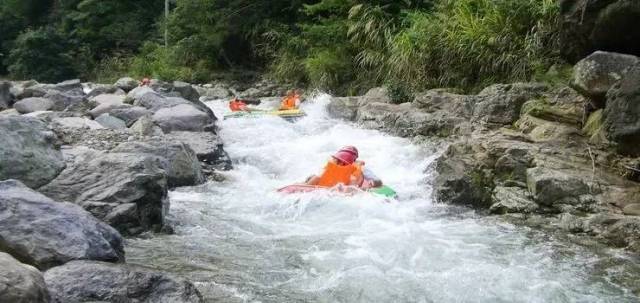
{"x": 593, "y": 128}
{"x": 543, "y": 109}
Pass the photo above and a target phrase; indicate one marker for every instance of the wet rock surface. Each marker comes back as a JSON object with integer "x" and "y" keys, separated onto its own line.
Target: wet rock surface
{"x": 45, "y": 233}
{"x": 84, "y": 281}
{"x": 28, "y": 152}
{"x": 126, "y": 190}
{"x": 21, "y": 283}
{"x": 523, "y": 150}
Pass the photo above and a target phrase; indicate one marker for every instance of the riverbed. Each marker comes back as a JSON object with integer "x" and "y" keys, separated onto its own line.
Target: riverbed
{"x": 241, "y": 241}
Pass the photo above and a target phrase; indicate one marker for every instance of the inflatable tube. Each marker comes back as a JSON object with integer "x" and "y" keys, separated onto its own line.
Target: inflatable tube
{"x": 304, "y": 188}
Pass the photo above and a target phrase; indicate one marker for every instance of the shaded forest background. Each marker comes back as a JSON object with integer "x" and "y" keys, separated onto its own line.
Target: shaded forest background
{"x": 343, "y": 46}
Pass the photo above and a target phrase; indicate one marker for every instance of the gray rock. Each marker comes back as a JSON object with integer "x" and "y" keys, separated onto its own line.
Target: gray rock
{"x": 443, "y": 100}
{"x": 62, "y": 101}
{"x": 102, "y": 89}
{"x": 345, "y": 108}
{"x": 126, "y": 84}
{"x": 460, "y": 180}
{"x": 9, "y": 112}
{"x": 501, "y": 103}
{"x": 130, "y": 114}
{"x": 594, "y": 75}
{"x": 21, "y": 283}
{"x": 622, "y": 114}
{"x": 30, "y": 105}
{"x": 106, "y": 184}
{"x": 154, "y": 101}
{"x": 105, "y": 103}
{"x": 376, "y": 94}
{"x": 551, "y": 186}
{"x": 70, "y": 87}
{"x": 75, "y": 123}
{"x": 186, "y": 91}
{"x": 27, "y": 152}
{"x": 183, "y": 117}
{"x": 146, "y": 127}
{"x": 136, "y": 93}
{"x": 590, "y": 25}
{"x": 215, "y": 92}
{"x": 207, "y": 146}
{"x": 111, "y": 122}
{"x": 45, "y": 233}
{"x": 34, "y": 90}
{"x": 624, "y": 233}
{"x": 6, "y": 99}
{"x": 632, "y": 209}
{"x": 511, "y": 200}
{"x": 84, "y": 281}
{"x": 177, "y": 159}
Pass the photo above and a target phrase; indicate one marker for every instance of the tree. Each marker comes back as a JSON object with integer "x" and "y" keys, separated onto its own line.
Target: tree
{"x": 40, "y": 54}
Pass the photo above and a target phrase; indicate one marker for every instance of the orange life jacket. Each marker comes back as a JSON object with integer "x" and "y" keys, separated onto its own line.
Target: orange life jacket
{"x": 237, "y": 105}
{"x": 289, "y": 102}
{"x": 334, "y": 174}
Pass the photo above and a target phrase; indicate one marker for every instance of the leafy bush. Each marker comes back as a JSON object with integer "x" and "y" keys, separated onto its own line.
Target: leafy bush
{"x": 471, "y": 43}
{"x": 42, "y": 55}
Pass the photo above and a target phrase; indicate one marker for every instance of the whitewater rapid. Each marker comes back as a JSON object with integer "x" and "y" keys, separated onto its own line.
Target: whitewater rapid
{"x": 241, "y": 241}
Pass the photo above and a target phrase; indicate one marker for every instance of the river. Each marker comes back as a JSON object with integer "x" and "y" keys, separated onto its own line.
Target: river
{"x": 241, "y": 241}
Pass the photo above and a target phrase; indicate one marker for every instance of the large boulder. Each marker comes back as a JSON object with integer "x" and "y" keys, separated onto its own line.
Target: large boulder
{"x": 376, "y": 94}
{"x": 21, "y": 283}
{"x": 460, "y": 178}
{"x": 186, "y": 91}
{"x": 154, "y": 101}
{"x": 183, "y": 117}
{"x": 6, "y": 99}
{"x": 111, "y": 122}
{"x": 89, "y": 281}
{"x": 101, "y": 89}
{"x": 177, "y": 159}
{"x": 591, "y": 25}
{"x": 75, "y": 123}
{"x": 345, "y": 108}
{"x": 45, "y": 233}
{"x": 128, "y": 191}
{"x": 27, "y": 152}
{"x": 622, "y": 113}
{"x": 511, "y": 200}
{"x": 126, "y": 84}
{"x": 145, "y": 126}
{"x": 550, "y": 187}
{"x": 594, "y": 75}
{"x": 207, "y": 146}
{"x": 35, "y": 104}
{"x": 105, "y": 103}
{"x": 137, "y": 92}
{"x": 62, "y": 101}
{"x": 130, "y": 114}
{"x": 71, "y": 87}
{"x": 500, "y": 104}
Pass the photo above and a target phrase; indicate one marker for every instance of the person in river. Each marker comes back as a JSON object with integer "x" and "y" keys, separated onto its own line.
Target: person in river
{"x": 145, "y": 82}
{"x": 341, "y": 168}
{"x": 370, "y": 180}
{"x": 237, "y": 105}
{"x": 290, "y": 101}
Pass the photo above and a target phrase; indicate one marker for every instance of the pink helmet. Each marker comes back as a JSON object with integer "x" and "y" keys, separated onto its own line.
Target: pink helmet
{"x": 347, "y": 154}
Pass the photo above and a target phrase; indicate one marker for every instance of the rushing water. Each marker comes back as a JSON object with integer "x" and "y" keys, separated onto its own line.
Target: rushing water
{"x": 240, "y": 241}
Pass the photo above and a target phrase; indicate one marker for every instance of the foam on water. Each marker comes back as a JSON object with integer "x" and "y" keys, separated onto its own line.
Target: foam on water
{"x": 241, "y": 241}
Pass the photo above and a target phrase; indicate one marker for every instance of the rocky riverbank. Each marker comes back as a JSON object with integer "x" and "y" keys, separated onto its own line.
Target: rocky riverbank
{"x": 564, "y": 158}
{"x": 84, "y": 164}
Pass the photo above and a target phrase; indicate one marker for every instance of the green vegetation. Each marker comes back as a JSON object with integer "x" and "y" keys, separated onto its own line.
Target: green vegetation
{"x": 345, "y": 46}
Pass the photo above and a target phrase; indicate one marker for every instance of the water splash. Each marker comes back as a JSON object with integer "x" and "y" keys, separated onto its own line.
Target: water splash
{"x": 243, "y": 242}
